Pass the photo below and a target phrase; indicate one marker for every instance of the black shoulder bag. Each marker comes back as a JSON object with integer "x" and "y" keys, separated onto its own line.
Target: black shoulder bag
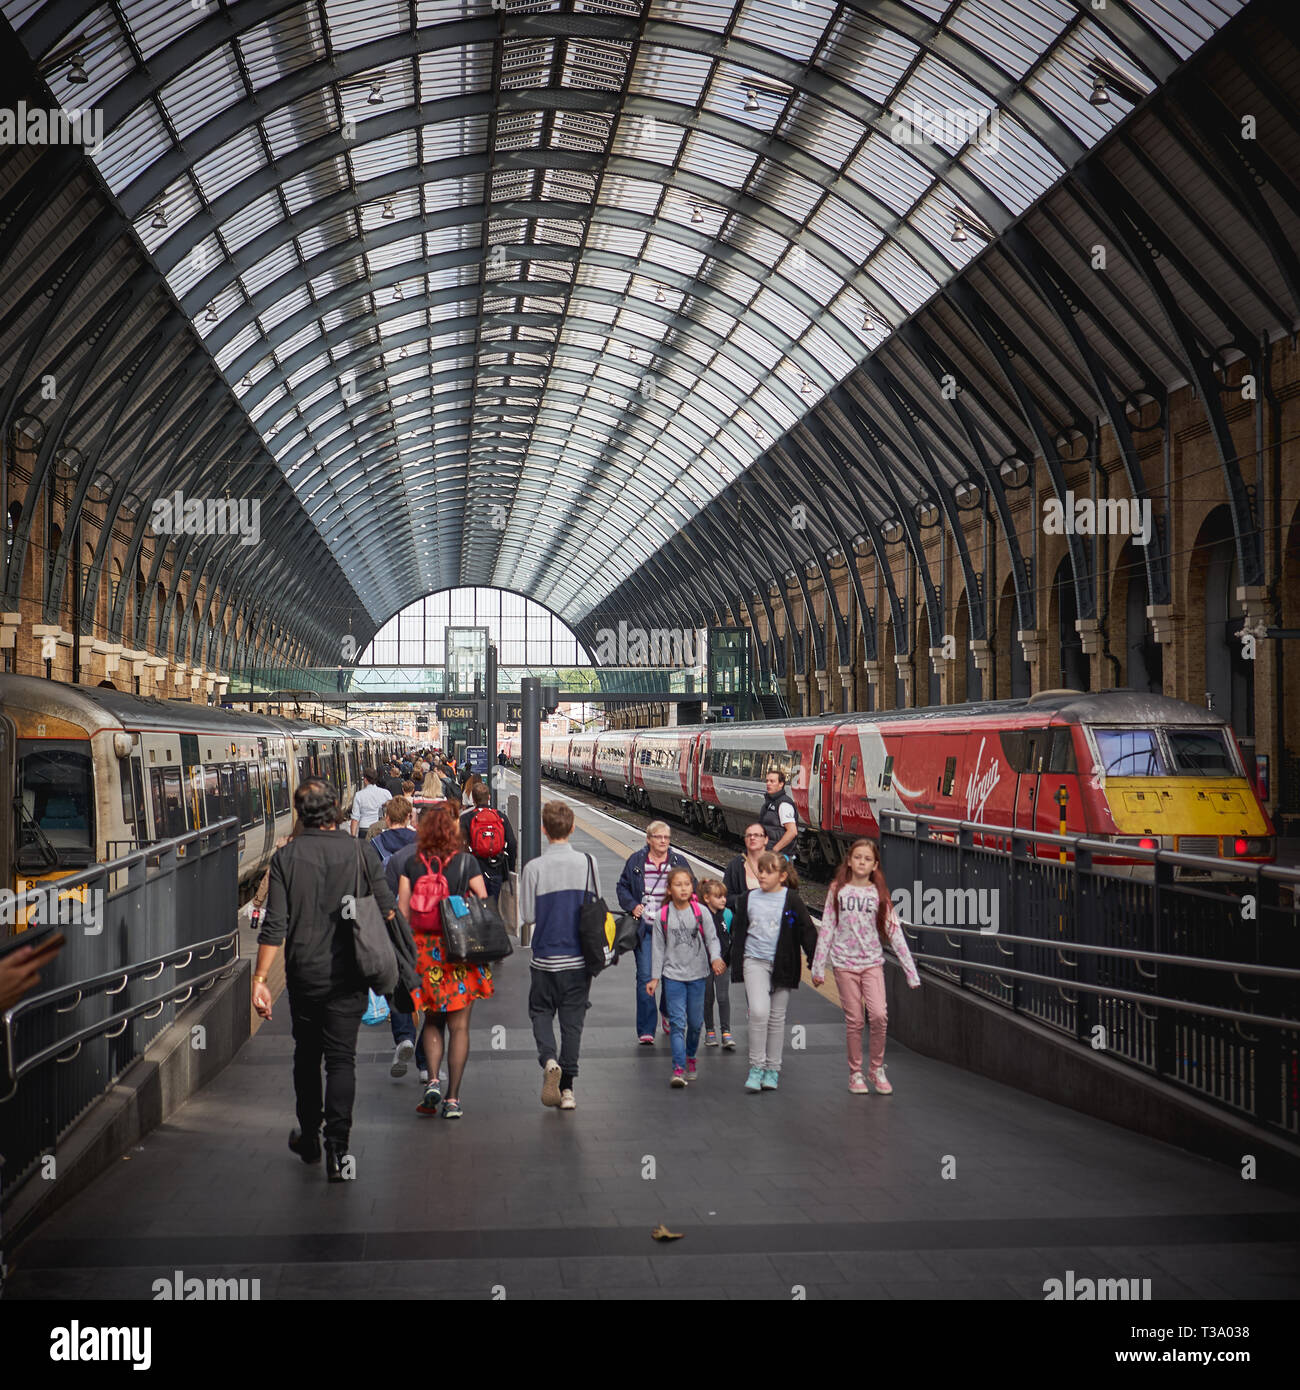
{"x": 477, "y": 936}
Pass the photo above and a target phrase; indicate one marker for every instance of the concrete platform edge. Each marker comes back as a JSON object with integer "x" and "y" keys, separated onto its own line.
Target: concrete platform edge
{"x": 958, "y": 1027}
{"x": 145, "y": 1096}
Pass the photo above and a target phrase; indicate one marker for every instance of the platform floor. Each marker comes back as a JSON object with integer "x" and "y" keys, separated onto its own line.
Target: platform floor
{"x": 808, "y": 1188}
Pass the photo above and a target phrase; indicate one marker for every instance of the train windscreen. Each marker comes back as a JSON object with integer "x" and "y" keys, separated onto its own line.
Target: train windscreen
{"x": 1202, "y": 752}
{"x": 1130, "y": 752}
{"x": 56, "y": 816}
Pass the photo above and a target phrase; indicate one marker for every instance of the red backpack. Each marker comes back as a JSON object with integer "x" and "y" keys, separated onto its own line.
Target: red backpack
{"x": 426, "y": 898}
{"x": 487, "y": 834}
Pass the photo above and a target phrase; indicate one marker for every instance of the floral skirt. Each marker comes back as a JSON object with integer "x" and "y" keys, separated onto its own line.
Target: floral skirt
{"x": 446, "y": 986}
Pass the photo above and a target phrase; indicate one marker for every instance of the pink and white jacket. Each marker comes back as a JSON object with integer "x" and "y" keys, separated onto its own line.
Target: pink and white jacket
{"x": 849, "y": 938}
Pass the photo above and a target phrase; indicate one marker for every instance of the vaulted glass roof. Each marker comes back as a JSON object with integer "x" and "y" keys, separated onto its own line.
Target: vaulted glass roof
{"x": 515, "y": 289}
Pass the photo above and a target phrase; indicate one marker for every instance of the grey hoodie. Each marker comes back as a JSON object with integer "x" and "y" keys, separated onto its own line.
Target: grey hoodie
{"x": 684, "y": 954}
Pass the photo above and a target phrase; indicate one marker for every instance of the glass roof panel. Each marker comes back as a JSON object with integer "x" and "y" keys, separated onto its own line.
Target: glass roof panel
{"x": 737, "y": 273}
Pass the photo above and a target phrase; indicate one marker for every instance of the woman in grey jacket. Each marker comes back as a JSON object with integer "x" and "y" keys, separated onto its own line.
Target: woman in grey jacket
{"x": 685, "y": 947}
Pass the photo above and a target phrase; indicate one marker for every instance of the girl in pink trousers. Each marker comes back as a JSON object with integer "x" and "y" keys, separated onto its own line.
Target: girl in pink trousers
{"x": 858, "y": 921}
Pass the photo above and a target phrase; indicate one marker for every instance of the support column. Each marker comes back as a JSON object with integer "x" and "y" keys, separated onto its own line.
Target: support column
{"x": 530, "y": 770}
{"x": 847, "y": 697}
{"x": 903, "y": 664}
{"x": 801, "y": 685}
{"x": 1032, "y": 642}
{"x": 943, "y": 668}
{"x": 823, "y": 680}
{"x": 983, "y": 652}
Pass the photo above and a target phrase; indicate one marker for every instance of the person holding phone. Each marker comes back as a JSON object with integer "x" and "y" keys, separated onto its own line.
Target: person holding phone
{"x": 21, "y": 966}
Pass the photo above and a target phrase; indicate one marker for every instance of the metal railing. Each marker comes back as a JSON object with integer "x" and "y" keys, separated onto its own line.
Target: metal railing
{"x": 163, "y": 931}
{"x": 1192, "y": 978}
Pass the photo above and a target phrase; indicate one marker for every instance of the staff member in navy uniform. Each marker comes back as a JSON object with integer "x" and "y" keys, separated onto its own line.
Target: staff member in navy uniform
{"x": 779, "y": 819}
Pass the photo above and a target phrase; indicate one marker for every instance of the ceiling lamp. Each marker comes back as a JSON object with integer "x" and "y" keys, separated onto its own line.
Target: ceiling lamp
{"x": 751, "y": 100}
{"x": 697, "y": 217}
{"x": 376, "y": 97}
{"x": 958, "y": 228}
{"x": 159, "y": 222}
{"x": 76, "y": 71}
{"x": 660, "y": 296}
{"x": 397, "y": 292}
{"x": 1099, "y": 96}
{"x": 805, "y": 387}
{"x": 388, "y": 213}
{"x": 868, "y": 323}
{"x": 211, "y": 315}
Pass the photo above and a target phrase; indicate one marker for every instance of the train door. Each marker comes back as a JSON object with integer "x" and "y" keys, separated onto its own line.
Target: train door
{"x": 192, "y": 779}
{"x": 1030, "y": 747}
{"x": 818, "y": 782}
{"x": 267, "y": 798}
{"x": 837, "y": 759}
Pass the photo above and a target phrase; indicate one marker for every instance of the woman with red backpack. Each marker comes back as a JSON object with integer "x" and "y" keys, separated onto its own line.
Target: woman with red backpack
{"x": 440, "y": 868}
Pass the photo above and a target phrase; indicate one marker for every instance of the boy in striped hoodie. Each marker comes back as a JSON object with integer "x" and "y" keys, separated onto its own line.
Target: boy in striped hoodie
{"x": 552, "y": 889}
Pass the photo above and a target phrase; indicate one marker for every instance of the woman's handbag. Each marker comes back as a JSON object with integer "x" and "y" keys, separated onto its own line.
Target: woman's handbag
{"x": 596, "y": 931}
{"x": 472, "y": 930}
{"x": 375, "y": 956}
{"x": 627, "y": 932}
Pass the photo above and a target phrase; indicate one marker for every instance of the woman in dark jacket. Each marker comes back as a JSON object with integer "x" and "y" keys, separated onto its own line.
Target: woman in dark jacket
{"x": 770, "y": 927}
{"x": 741, "y": 873}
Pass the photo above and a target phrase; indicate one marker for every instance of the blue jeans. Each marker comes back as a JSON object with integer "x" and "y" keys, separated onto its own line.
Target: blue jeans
{"x": 645, "y": 1005}
{"x": 403, "y": 1026}
{"x": 686, "y": 1014}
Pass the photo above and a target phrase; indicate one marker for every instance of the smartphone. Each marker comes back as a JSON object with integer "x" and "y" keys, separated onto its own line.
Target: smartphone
{"x": 46, "y": 938}
{"x": 459, "y": 905}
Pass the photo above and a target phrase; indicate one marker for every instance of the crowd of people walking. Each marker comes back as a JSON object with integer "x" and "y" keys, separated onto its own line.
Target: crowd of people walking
{"x": 691, "y": 940}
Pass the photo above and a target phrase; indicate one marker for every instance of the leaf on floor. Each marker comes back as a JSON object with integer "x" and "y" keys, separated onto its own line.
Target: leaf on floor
{"x": 661, "y": 1232}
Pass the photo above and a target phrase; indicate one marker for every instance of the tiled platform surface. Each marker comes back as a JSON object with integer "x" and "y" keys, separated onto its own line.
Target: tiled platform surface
{"x": 808, "y": 1188}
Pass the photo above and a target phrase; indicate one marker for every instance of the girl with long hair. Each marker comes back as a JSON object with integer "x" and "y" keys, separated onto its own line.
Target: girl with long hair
{"x": 770, "y": 927}
{"x": 447, "y": 989}
{"x": 858, "y": 922}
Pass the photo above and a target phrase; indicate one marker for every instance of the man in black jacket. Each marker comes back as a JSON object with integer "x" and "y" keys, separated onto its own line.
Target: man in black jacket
{"x": 495, "y": 868}
{"x": 315, "y": 880}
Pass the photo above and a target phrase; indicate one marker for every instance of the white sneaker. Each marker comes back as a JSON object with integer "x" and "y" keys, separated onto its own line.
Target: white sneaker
{"x": 402, "y": 1055}
{"x": 567, "y": 1101}
{"x": 424, "y": 1075}
{"x": 551, "y": 1083}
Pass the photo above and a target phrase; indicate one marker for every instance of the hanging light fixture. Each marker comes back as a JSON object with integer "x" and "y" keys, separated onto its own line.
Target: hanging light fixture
{"x": 958, "y": 228}
{"x": 388, "y": 213}
{"x": 697, "y": 217}
{"x": 751, "y": 100}
{"x": 159, "y": 221}
{"x": 397, "y": 292}
{"x": 376, "y": 97}
{"x": 1099, "y": 96}
{"x": 660, "y": 296}
{"x": 211, "y": 315}
{"x": 868, "y": 323}
{"x": 77, "y": 71}
{"x": 805, "y": 387}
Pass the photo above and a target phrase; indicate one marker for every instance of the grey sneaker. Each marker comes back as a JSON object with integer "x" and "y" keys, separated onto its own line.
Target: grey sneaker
{"x": 401, "y": 1057}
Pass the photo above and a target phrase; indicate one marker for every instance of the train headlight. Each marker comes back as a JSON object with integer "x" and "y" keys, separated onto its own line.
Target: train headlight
{"x": 122, "y": 744}
{"x": 1252, "y": 847}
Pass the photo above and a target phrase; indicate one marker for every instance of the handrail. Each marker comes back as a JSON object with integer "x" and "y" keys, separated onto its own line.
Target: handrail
{"x": 227, "y": 940}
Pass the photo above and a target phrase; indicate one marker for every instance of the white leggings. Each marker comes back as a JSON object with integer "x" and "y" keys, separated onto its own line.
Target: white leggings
{"x": 767, "y": 1008}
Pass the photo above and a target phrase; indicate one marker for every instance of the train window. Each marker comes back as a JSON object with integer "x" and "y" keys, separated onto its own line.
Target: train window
{"x": 887, "y": 773}
{"x": 229, "y": 802}
{"x": 853, "y": 771}
{"x": 1061, "y": 758}
{"x": 279, "y": 788}
{"x": 1202, "y": 751}
{"x": 1130, "y": 752}
{"x": 949, "y": 776}
{"x": 1013, "y": 748}
{"x": 137, "y": 787}
{"x": 255, "y": 793}
{"x": 56, "y": 802}
{"x": 747, "y": 763}
{"x": 212, "y": 796}
{"x": 304, "y": 770}
{"x": 168, "y": 803}
{"x": 817, "y": 759}
{"x": 128, "y": 800}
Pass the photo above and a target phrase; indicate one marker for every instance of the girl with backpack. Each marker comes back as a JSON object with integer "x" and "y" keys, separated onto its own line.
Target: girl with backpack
{"x": 685, "y": 948}
{"x": 858, "y": 921}
{"x": 770, "y": 927}
{"x": 438, "y": 869}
